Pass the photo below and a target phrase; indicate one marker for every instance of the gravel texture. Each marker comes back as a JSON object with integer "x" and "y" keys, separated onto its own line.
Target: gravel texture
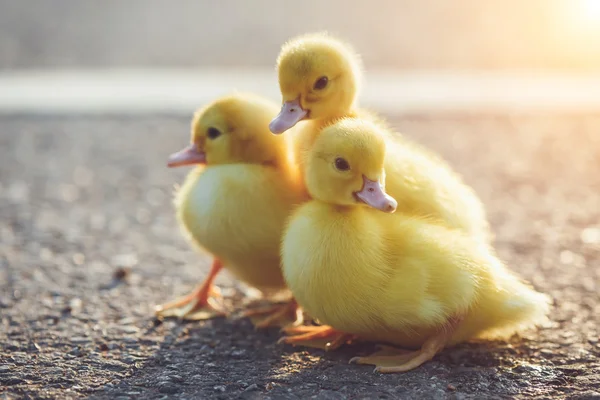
{"x": 89, "y": 244}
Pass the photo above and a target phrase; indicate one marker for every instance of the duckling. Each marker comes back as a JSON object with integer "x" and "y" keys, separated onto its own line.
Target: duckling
{"x": 319, "y": 78}
{"x": 235, "y": 203}
{"x": 363, "y": 270}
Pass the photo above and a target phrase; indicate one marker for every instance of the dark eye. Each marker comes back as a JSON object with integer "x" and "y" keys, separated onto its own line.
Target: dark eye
{"x": 341, "y": 164}
{"x": 213, "y": 133}
{"x": 321, "y": 83}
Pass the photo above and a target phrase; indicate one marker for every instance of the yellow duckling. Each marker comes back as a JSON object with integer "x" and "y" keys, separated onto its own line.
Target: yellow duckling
{"x": 387, "y": 277}
{"x": 319, "y": 78}
{"x": 236, "y": 202}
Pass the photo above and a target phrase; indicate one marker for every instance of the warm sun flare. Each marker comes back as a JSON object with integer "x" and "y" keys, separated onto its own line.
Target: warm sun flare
{"x": 582, "y": 17}
{"x": 591, "y": 10}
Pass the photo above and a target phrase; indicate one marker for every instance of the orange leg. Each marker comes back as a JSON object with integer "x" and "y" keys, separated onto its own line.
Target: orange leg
{"x": 276, "y": 315}
{"x": 321, "y": 337}
{"x": 393, "y": 360}
{"x": 197, "y": 305}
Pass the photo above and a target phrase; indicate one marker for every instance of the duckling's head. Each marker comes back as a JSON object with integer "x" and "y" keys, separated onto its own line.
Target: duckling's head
{"x": 318, "y": 78}
{"x": 345, "y": 166}
{"x": 233, "y": 130}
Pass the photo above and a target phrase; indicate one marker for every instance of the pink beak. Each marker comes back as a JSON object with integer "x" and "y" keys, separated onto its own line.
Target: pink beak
{"x": 373, "y": 195}
{"x": 188, "y": 156}
{"x": 291, "y": 113}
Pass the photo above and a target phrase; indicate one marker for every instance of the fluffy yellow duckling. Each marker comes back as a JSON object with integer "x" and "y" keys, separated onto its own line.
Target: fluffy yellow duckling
{"x": 236, "y": 202}
{"x": 387, "y": 277}
{"x": 319, "y": 79}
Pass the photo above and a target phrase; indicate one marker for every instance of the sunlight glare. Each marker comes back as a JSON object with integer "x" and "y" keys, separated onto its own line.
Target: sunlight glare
{"x": 591, "y": 10}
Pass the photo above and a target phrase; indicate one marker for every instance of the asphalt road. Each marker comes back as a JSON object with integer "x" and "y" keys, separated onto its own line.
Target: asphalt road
{"x": 84, "y": 198}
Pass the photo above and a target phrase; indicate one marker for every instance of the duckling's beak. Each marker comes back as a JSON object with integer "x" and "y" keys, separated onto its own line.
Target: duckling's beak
{"x": 291, "y": 113}
{"x": 373, "y": 195}
{"x": 187, "y": 156}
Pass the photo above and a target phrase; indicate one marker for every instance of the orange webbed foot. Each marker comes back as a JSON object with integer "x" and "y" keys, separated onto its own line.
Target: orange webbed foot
{"x": 392, "y": 360}
{"x": 320, "y": 337}
{"x": 280, "y": 315}
{"x": 387, "y": 359}
{"x": 201, "y": 304}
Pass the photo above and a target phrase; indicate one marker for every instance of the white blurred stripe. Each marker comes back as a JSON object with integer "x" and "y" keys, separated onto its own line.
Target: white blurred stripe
{"x": 126, "y": 91}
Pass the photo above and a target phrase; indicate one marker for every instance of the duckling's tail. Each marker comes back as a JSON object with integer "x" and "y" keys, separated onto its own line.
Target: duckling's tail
{"x": 510, "y": 306}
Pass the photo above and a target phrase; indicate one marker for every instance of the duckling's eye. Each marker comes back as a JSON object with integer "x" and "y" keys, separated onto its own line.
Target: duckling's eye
{"x": 321, "y": 83}
{"x": 341, "y": 164}
{"x": 213, "y": 133}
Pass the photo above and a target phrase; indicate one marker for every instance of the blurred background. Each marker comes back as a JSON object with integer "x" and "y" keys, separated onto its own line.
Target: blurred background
{"x": 432, "y": 55}
{"x": 390, "y": 34}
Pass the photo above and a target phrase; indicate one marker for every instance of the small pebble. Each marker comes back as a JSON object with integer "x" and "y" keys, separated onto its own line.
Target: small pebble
{"x": 129, "y": 329}
{"x": 451, "y": 387}
{"x": 168, "y": 388}
{"x": 254, "y": 386}
{"x": 121, "y": 273}
{"x": 177, "y": 378}
{"x": 80, "y": 340}
{"x": 75, "y": 352}
{"x": 219, "y": 388}
{"x": 78, "y": 259}
{"x": 75, "y": 304}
